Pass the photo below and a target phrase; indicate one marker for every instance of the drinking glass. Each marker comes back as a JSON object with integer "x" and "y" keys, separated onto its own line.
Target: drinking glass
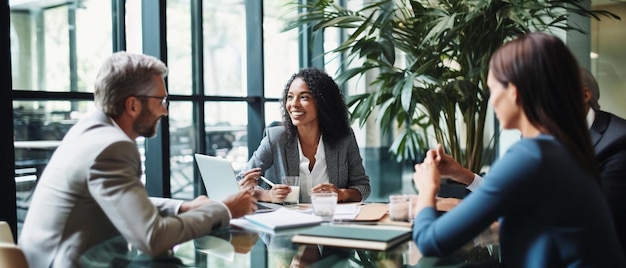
{"x": 292, "y": 198}
{"x": 324, "y": 204}
{"x": 399, "y": 207}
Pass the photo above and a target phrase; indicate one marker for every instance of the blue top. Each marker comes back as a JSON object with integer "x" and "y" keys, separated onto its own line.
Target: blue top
{"x": 551, "y": 212}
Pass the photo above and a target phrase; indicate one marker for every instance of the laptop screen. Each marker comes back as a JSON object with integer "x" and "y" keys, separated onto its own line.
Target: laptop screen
{"x": 218, "y": 176}
{"x": 220, "y": 182}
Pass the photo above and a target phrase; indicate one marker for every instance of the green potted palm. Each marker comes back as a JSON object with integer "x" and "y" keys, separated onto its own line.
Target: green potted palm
{"x": 429, "y": 63}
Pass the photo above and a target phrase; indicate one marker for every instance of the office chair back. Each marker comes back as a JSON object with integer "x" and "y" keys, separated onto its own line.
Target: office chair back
{"x": 12, "y": 256}
{"x": 6, "y": 235}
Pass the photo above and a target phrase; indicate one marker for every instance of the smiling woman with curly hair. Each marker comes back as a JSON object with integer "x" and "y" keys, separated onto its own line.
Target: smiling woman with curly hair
{"x": 332, "y": 118}
{"x": 314, "y": 113}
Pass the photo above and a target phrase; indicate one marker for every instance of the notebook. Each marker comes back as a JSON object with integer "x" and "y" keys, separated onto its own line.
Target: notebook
{"x": 220, "y": 182}
{"x": 375, "y": 237}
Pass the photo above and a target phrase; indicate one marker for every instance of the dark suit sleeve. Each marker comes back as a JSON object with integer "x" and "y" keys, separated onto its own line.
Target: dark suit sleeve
{"x": 613, "y": 179}
{"x": 608, "y": 134}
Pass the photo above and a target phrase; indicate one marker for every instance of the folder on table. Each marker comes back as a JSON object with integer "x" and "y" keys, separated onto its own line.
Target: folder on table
{"x": 372, "y": 212}
{"x": 374, "y": 237}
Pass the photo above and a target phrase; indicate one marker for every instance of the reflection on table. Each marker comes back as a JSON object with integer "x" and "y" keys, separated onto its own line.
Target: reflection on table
{"x": 247, "y": 248}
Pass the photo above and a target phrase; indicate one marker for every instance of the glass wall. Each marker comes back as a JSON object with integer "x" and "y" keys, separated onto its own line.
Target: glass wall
{"x": 608, "y": 37}
{"x": 280, "y": 48}
{"x": 57, "y": 48}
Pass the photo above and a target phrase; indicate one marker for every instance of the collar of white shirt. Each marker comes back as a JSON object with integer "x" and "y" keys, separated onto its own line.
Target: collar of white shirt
{"x": 591, "y": 115}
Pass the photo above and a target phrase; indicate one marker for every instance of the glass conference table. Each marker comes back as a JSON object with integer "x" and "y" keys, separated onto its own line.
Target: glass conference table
{"x": 237, "y": 247}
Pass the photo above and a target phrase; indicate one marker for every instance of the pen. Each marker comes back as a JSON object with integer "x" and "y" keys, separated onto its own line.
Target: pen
{"x": 267, "y": 181}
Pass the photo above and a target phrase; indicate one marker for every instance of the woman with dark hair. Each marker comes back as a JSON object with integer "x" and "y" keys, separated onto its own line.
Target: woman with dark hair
{"x": 315, "y": 143}
{"x": 544, "y": 191}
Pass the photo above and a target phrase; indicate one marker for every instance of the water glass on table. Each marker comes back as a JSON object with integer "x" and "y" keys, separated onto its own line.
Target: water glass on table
{"x": 324, "y": 204}
{"x": 399, "y": 207}
{"x": 293, "y": 198}
{"x": 412, "y": 207}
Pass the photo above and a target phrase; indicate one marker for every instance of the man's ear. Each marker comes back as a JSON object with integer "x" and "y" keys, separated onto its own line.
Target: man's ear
{"x": 586, "y": 94}
{"x": 132, "y": 106}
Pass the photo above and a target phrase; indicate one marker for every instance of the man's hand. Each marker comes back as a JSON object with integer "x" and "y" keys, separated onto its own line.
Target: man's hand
{"x": 241, "y": 204}
{"x": 202, "y": 200}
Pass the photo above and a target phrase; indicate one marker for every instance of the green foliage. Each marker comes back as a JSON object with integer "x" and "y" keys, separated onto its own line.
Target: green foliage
{"x": 445, "y": 46}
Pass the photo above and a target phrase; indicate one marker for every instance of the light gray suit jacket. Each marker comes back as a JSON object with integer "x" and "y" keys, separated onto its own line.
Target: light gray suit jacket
{"x": 91, "y": 191}
{"x": 278, "y": 156}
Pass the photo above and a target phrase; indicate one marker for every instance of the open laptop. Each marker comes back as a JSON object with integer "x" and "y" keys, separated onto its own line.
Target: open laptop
{"x": 219, "y": 180}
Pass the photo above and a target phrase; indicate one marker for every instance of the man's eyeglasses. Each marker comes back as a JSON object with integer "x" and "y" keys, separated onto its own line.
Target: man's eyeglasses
{"x": 164, "y": 100}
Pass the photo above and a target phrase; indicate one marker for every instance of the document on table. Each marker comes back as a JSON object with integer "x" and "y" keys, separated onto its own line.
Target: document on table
{"x": 347, "y": 211}
{"x": 343, "y": 212}
{"x": 283, "y": 218}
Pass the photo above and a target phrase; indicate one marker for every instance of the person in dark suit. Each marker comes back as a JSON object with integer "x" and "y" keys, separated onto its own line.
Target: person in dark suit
{"x": 608, "y": 137}
{"x": 91, "y": 189}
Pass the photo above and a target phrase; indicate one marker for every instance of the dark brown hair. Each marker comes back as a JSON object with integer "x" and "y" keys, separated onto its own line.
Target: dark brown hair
{"x": 548, "y": 81}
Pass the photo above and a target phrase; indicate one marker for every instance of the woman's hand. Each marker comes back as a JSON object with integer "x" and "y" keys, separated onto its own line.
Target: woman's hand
{"x": 249, "y": 181}
{"x": 324, "y": 187}
{"x": 278, "y": 193}
{"x": 342, "y": 194}
{"x": 427, "y": 180}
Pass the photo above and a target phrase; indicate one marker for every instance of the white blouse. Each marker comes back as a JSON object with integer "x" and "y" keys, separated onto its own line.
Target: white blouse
{"x": 317, "y": 175}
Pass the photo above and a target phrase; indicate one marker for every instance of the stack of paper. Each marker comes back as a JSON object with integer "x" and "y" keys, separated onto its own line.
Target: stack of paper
{"x": 283, "y": 218}
{"x": 346, "y": 211}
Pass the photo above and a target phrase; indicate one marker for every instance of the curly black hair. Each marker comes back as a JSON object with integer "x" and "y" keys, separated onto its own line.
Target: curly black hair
{"x": 332, "y": 111}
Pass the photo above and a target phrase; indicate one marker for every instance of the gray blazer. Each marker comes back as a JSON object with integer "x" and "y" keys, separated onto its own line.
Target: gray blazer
{"x": 278, "y": 156}
{"x": 91, "y": 191}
